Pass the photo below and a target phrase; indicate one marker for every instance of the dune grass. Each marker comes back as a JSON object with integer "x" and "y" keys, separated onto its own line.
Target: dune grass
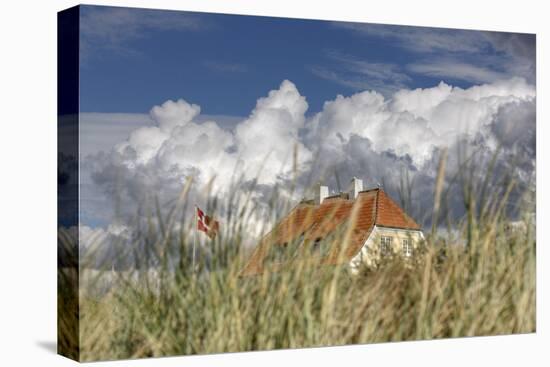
{"x": 479, "y": 280}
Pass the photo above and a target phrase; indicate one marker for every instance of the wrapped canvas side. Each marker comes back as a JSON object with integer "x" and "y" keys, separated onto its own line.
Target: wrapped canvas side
{"x": 68, "y": 339}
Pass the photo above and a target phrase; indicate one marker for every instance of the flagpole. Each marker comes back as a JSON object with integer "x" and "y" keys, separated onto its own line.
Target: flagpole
{"x": 194, "y": 236}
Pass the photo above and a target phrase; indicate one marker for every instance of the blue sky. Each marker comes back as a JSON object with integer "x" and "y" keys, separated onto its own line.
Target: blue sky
{"x": 167, "y": 95}
{"x": 133, "y": 59}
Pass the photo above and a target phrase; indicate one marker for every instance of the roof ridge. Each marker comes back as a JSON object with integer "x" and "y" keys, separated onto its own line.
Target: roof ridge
{"x": 368, "y": 190}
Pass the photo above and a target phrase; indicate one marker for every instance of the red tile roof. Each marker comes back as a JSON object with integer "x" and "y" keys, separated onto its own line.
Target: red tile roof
{"x": 389, "y": 214}
{"x": 372, "y": 207}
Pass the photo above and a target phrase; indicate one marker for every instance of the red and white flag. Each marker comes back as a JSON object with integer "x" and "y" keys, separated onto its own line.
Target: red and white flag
{"x": 206, "y": 224}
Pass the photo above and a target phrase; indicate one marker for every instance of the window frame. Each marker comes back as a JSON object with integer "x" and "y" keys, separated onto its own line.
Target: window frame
{"x": 407, "y": 247}
{"x": 386, "y": 245}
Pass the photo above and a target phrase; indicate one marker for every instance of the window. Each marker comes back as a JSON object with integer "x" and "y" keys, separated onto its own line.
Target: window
{"x": 318, "y": 247}
{"x": 407, "y": 247}
{"x": 385, "y": 245}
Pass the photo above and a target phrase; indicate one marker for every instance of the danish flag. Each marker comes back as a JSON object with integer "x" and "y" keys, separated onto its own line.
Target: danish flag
{"x": 206, "y": 224}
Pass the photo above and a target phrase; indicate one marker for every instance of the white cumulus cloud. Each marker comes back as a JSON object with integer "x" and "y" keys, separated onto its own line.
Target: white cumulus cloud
{"x": 366, "y": 134}
{"x": 414, "y": 122}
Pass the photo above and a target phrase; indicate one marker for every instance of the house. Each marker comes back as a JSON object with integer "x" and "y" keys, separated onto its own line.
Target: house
{"x": 353, "y": 227}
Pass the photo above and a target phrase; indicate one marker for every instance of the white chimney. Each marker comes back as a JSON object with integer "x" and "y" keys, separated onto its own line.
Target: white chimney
{"x": 321, "y": 194}
{"x": 355, "y": 187}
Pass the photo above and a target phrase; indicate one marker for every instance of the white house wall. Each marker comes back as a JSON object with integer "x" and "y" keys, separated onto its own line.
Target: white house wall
{"x": 372, "y": 242}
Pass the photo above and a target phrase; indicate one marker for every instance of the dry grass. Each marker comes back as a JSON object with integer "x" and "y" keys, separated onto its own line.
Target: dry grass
{"x": 483, "y": 286}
